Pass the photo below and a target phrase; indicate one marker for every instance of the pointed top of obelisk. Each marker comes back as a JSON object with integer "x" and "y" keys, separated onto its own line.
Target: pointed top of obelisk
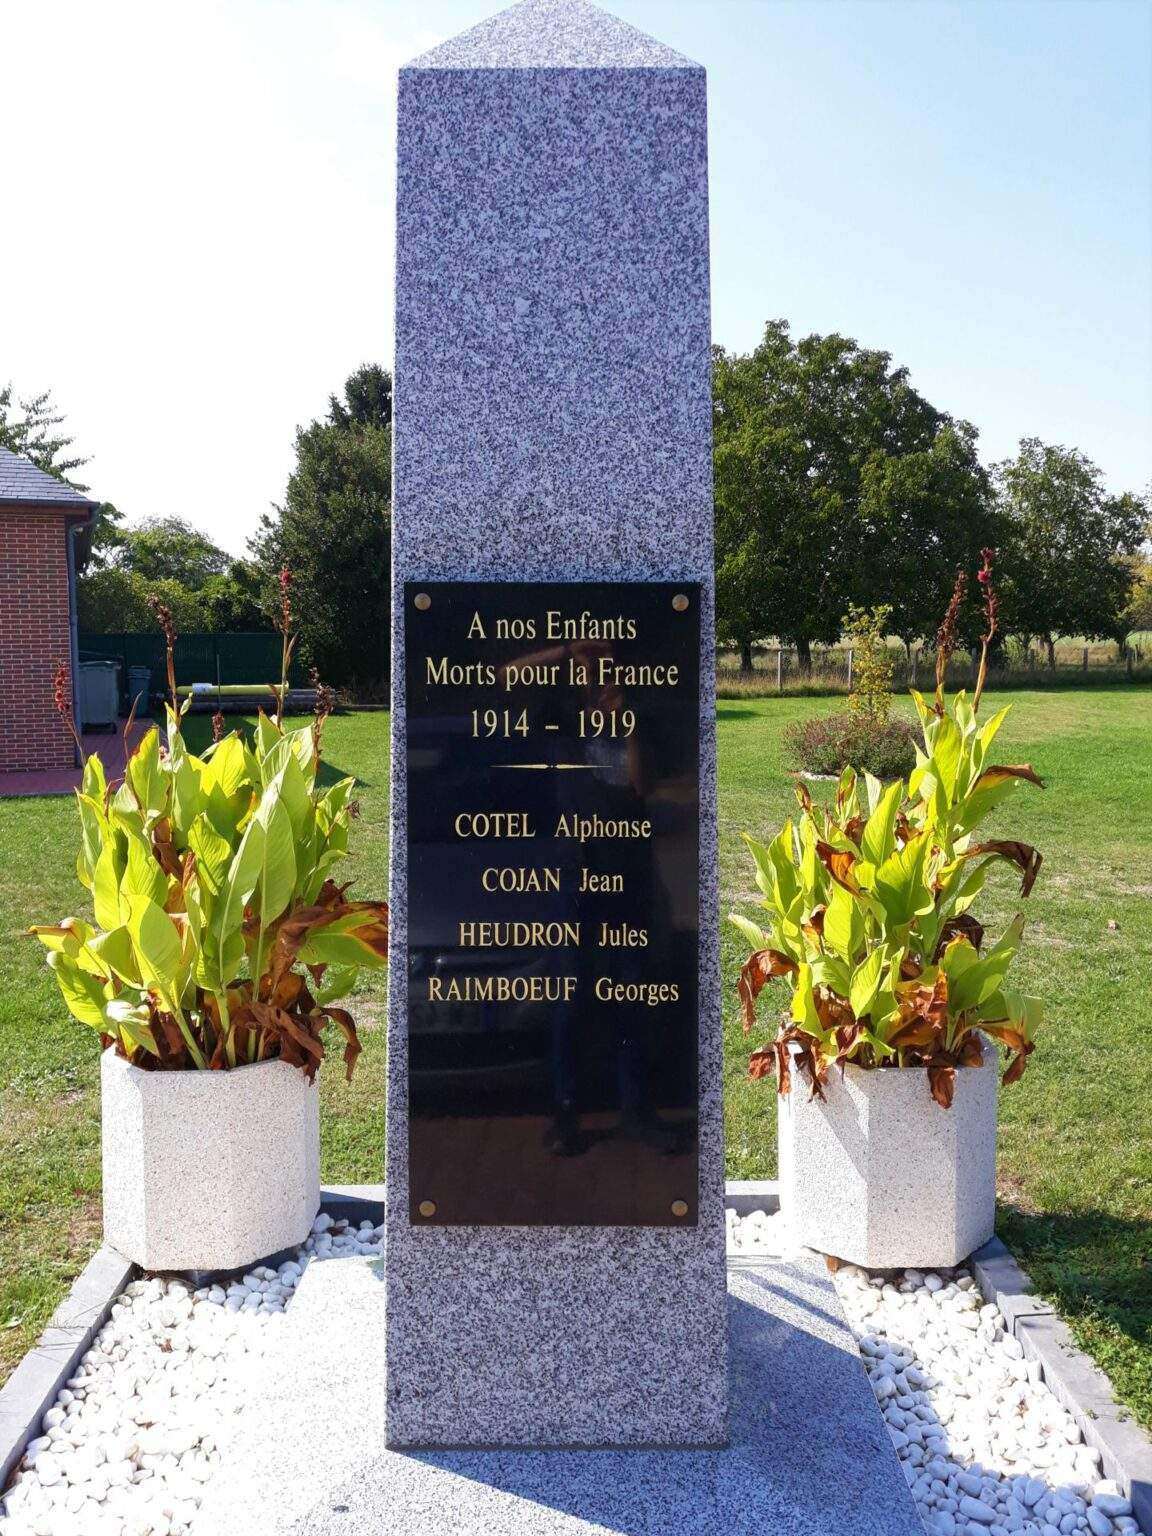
{"x": 552, "y": 34}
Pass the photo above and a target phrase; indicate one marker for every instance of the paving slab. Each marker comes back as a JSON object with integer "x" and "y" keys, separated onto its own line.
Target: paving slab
{"x": 808, "y": 1454}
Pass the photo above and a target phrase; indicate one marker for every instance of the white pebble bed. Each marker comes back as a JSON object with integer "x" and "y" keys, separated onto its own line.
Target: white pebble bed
{"x": 134, "y": 1435}
{"x": 986, "y": 1448}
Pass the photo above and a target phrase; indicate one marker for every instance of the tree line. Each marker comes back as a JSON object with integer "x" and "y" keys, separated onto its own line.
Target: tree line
{"x": 838, "y": 486}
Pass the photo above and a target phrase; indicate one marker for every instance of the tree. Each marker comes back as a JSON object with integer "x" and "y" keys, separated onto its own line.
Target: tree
{"x": 112, "y": 600}
{"x": 1138, "y": 615}
{"x": 107, "y": 537}
{"x": 234, "y": 602}
{"x": 334, "y": 533}
{"x": 795, "y": 425}
{"x": 1070, "y": 571}
{"x": 27, "y": 427}
{"x": 923, "y": 516}
{"x": 171, "y": 549}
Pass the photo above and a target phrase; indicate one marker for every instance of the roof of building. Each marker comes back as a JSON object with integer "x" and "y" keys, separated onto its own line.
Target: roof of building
{"x": 22, "y": 482}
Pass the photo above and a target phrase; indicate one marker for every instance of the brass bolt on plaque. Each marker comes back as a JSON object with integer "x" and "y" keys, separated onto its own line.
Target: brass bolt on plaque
{"x": 428, "y": 1207}
{"x": 680, "y": 603}
{"x": 423, "y": 601}
{"x": 680, "y": 1207}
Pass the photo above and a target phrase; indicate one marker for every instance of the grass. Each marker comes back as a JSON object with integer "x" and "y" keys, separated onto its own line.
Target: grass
{"x": 1075, "y": 1149}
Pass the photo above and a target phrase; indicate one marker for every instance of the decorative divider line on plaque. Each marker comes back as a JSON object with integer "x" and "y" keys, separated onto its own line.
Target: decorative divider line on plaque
{"x": 555, "y": 1256}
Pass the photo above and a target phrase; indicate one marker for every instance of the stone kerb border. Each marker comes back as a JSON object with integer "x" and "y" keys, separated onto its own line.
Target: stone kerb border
{"x": 32, "y": 1387}
{"x": 1080, "y": 1386}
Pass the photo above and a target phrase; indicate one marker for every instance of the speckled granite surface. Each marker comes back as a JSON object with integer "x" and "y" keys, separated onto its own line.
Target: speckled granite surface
{"x": 553, "y": 422}
{"x": 809, "y": 1454}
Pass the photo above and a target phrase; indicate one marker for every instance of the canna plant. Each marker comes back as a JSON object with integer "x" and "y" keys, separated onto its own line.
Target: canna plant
{"x": 219, "y": 937}
{"x": 870, "y": 903}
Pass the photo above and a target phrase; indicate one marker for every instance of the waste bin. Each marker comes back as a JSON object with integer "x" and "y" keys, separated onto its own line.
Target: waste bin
{"x": 99, "y": 694}
{"x": 140, "y": 689}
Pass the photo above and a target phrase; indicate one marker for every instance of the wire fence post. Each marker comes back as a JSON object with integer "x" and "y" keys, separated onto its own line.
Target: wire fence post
{"x": 849, "y": 669}
{"x": 779, "y": 669}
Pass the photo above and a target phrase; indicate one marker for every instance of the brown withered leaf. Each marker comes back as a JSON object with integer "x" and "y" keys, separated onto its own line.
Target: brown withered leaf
{"x": 814, "y": 927}
{"x": 918, "y": 1034}
{"x": 1000, "y": 772}
{"x": 970, "y": 1053}
{"x": 762, "y": 1062}
{"x": 1016, "y": 1067}
{"x": 839, "y": 864}
{"x": 942, "y": 1083}
{"x": 352, "y": 1047}
{"x": 854, "y": 829}
{"x": 298, "y": 1044}
{"x": 164, "y": 849}
{"x": 833, "y": 1011}
{"x": 1026, "y": 859}
{"x": 910, "y": 967}
{"x": 803, "y": 795}
{"x": 759, "y": 967}
{"x": 962, "y": 926}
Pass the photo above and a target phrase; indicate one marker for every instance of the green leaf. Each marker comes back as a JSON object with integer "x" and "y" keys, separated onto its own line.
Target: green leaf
{"x": 765, "y": 870}
{"x": 106, "y": 882}
{"x": 228, "y": 769}
{"x": 980, "y": 980}
{"x": 146, "y": 776}
{"x": 830, "y": 971}
{"x": 142, "y": 875}
{"x": 875, "y": 790}
{"x": 94, "y": 832}
{"x": 115, "y": 953}
{"x": 843, "y": 924}
{"x": 278, "y": 865}
{"x": 866, "y": 981}
{"x": 157, "y": 946}
{"x": 337, "y": 982}
{"x": 213, "y": 855}
{"x": 754, "y": 935}
{"x": 804, "y": 1004}
{"x": 239, "y": 886}
{"x": 356, "y": 938}
{"x": 188, "y": 798}
{"x": 946, "y": 753}
{"x": 879, "y": 838}
{"x": 900, "y": 886}
{"x": 82, "y": 992}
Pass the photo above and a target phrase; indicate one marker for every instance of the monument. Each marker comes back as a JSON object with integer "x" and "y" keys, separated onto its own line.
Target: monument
{"x": 555, "y": 1263}
{"x": 544, "y": 1346}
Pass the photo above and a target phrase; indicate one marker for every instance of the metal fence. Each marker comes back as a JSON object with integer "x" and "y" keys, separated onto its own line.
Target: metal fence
{"x": 779, "y": 669}
{"x": 200, "y": 658}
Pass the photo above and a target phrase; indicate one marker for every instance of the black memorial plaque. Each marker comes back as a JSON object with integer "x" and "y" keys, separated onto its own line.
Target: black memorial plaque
{"x": 553, "y": 891}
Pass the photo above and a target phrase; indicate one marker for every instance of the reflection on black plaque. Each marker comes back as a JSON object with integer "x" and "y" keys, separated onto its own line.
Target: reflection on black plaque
{"x": 553, "y": 890}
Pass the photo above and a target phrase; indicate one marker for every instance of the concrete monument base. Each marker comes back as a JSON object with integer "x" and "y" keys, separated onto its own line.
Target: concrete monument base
{"x": 809, "y": 1454}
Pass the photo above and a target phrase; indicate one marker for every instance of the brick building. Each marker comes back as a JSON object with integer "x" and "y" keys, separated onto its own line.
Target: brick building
{"x": 40, "y": 520}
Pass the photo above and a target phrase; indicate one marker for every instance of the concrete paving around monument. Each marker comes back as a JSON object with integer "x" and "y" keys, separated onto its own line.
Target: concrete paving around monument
{"x": 809, "y": 1454}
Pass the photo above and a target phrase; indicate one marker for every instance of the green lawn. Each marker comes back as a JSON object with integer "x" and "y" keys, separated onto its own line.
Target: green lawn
{"x": 1076, "y": 1144}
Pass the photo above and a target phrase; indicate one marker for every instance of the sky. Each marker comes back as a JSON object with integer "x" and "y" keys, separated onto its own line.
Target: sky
{"x": 196, "y": 230}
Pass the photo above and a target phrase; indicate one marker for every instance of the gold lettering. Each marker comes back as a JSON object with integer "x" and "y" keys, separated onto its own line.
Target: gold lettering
{"x": 474, "y": 935}
{"x": 513, "y": 878}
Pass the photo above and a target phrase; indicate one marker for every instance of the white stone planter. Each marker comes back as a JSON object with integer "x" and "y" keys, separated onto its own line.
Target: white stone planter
{"x": 880, "y": 1175}
{"x": 208, "y": 1170}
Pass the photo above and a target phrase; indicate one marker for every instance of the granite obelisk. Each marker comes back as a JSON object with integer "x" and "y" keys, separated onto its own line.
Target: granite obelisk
{"x": 552, "y": 426}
